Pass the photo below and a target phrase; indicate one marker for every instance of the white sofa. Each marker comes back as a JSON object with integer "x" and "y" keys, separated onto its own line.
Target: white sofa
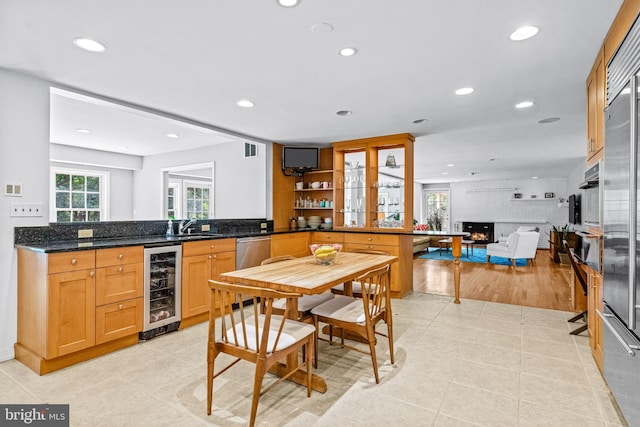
{"x": 519, "y": 244}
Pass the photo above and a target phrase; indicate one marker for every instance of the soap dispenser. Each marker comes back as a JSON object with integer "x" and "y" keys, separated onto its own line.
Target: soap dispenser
{"x": 170, "y": 228}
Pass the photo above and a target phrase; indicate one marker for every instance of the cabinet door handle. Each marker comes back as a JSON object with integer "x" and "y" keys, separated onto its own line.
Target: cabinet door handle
{"x": 210, "y": 257}
{"x": 74, "y": 261}
{"x": 120, "y": 269}
{"x": 92, "y": 273}
{"x": 369, "y": 239}
{"x": 214, "y": 256}
{"x": 120, "y": 307}
{"x": 120, "y": 256}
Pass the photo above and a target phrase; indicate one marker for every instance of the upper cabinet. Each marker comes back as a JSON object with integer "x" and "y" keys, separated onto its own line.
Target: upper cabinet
{"x": 596, "y": 85}
{"x": 373, "y": 183}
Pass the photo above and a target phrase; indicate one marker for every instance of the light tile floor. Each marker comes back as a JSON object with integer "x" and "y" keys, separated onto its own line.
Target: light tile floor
{"x": 473, "y": 364}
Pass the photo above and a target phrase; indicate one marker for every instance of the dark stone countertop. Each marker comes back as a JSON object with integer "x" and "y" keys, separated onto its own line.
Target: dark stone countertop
{"x": 163, "y": 240}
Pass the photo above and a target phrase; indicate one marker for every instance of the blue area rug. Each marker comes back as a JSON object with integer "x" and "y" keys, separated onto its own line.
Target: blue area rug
{"x": 479, "y": 255}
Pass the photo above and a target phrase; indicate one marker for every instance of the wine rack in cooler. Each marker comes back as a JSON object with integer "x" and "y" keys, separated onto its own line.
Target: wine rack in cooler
{"x": 162, "y": 290}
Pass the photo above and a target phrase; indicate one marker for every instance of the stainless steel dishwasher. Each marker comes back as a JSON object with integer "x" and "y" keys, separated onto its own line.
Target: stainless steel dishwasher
{"x": 251, "y": 251}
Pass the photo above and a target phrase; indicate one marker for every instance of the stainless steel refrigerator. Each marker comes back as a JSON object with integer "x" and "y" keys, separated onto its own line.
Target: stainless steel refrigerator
{"x": 621, "y": 258}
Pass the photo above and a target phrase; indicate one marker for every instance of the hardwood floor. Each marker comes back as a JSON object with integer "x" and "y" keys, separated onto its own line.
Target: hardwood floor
{"x": 543, "y": 284}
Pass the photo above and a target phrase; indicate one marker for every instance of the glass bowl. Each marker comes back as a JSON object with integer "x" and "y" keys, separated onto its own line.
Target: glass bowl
{"x": 325, "y": 254}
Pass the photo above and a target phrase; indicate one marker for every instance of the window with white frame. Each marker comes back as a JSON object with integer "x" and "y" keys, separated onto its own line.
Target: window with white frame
{"x": 79, "y": 195}
{"x": 197, "y": 197}
{"x": 436, "y": 209}
{"x": 173, "y": 200}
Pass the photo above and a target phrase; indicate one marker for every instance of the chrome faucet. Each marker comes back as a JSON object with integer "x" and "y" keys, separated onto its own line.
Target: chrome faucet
{"x": 184, "y": 226}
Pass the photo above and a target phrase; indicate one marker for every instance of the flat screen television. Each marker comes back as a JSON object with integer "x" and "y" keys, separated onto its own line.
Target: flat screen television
{"x": 300, "y": 158}
{"x": 574, "y": 209}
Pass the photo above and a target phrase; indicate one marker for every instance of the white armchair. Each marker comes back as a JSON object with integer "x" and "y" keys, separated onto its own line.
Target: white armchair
{"x": 519, "y": 244}
{"x": 503, "y": 239}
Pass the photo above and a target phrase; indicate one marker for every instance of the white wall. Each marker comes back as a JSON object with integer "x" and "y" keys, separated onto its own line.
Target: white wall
{"x": 240, "y": 190}
{"x": 492, "y": 201}
{"x": 24, "y": 139}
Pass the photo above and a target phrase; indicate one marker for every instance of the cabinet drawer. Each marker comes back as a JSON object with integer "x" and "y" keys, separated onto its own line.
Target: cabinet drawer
{"x": 119, "y": 256}
{"x": 118, "y": 320}
{"x": 204, "y": 247}
{"x": 115, "y": 284}
{"x": 354, "y": 247}
{"x": 371, "y": 239}
{"x": 327, "y": 237}
{"x": 71, "y": 261}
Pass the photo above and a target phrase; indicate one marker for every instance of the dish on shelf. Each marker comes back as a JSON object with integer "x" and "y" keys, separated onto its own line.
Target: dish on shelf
{"x": 315, "y": 185}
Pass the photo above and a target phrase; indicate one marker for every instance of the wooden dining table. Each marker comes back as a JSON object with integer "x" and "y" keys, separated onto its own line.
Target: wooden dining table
{"x": 305, "y": 276}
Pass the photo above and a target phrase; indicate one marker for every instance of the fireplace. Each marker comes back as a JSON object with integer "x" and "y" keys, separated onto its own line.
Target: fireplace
{"x": 480, "y": 232}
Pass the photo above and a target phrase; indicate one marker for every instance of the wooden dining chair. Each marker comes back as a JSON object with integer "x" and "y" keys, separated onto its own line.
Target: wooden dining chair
{"x": 360, "y": 315}
{"x": 356, "y": 287}
{"x": 305, "y": 302}
{"x": 240, "y": 332}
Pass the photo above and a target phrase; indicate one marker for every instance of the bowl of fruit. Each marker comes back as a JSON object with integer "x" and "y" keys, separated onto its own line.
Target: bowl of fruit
{"x": 325, "y": 254}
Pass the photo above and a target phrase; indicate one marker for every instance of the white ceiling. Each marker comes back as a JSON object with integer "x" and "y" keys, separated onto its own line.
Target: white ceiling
{"x": 196, "y": 59}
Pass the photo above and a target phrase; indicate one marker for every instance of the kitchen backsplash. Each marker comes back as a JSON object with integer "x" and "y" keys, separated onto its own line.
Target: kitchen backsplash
{"x": 56, "y": 232}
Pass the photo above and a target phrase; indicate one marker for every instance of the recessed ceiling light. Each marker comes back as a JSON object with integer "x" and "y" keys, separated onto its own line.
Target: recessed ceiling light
{"x": 418, "y": 121}
{"x": 524, "y": 104}
{"x": 450, "y": 165}
{"x": 172, "y": 135}
{"x": 548, "y": 120}
{"x": 245, "y": 103}
{"x": 472, "y": 173}
{"x": 348, "y": 51}
{"x": 445, "y": 173}
{"x": 493, "y": 159}
{"x": 89, "y": 45}
{"x": 324, "y": 27}
{"x": 534, "y": 177}
{"x": 344, "y": 113}
{"x": 523, "y": 33}
{"x": 464, "y": 91}
{"x": 123, "y": 147}
{"x": 288, "y": 3}
{"x": 83, "y": 130}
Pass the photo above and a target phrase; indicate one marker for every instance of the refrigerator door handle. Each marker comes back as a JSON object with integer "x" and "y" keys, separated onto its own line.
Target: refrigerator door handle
{"x": 629, "y": 348}
{"x": 633, "y": 196}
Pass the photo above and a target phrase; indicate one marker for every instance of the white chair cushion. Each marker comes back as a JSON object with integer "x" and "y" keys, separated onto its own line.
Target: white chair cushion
{"x": 292, "y": 332}
{"x": 343, "y": 308}
{"x": 305, "y": 302}
{"x": 356, "y": 287}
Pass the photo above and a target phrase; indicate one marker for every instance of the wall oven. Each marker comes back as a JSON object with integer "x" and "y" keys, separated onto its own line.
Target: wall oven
{"x": 592, "y": 196}
{"x": 162, "y": 283}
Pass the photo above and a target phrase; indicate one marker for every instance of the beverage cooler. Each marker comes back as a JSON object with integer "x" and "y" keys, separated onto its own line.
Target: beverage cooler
{"x": 162, "y": 282}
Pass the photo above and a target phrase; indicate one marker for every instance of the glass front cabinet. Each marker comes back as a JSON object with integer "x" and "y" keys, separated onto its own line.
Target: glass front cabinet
{"x": 373, "y": 183}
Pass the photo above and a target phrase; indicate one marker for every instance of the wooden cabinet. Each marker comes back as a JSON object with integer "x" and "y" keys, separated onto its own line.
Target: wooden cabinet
{"x": 327, "y": 237}
{"x": 373, "y": 183}
{"x": 69, "y": 311}
{"x": 201, "y": 262}
{"x": 594, "y": 300}
{"x": 397, "y": 245}
{"x": 296, "y": 244}
{"x": 119, "y": 292}
{"x": 596, "y": 83}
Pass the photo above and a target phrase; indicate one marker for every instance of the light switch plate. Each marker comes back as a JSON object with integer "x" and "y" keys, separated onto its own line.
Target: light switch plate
{"x": 25, "y": 209}
{"x": 13, "y": 189}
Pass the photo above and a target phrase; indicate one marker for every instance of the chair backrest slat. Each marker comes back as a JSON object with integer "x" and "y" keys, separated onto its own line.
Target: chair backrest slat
{"x": 375, "y": 291}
